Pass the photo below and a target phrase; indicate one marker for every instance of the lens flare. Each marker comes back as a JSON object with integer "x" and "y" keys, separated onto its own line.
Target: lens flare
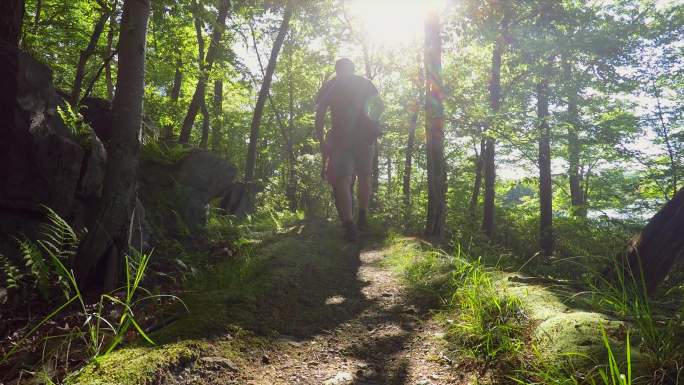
{"x": 392, "y": 23}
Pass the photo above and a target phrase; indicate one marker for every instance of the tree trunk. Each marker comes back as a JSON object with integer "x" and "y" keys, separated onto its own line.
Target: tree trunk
{"x": 11, "y": 17}
{"x": 204, "y": 141}
{"x": 434, "y": 117}
{"x": 36, "y": 18}
{"x": 577, "y": 198}
{"x": 389, "y": 175}
{"x": 177, "y": 83}
{"x": 375, "y": 175}
{"x": 410, "y": 144}
{"x": 375, "y": 172}
{"x": 489, "y": 153}
{"x": 75, "y": 96}
{"x": 545, "y": 191}
{"x": 108, "y": 52}
{"x": 198, "y": 97}
{"x": 291, "y": 189}
{"x": 263, "y": 93}
{"x": 218, "y": 115}
{"x": 408, "y": 163}
{"x": 107, "y": 238}
{"x": 479, "y": 165}
{"x": 660, "y": 244}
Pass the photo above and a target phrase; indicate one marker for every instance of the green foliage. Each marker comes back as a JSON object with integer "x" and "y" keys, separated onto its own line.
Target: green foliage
{"x": 42, "y": 258}
{"x": 13, "y": 275}
{"x": 619, "y": 60}
{"x": 540, "y": 370}
{"x": 426, "y": 271}
{"x": 613, "y": 374}
{"x": 624, "y": 293}
{"x": 102, "y": 326}
{"x": 75, "y": 122}
{"x": 162, "y": 153}
{"x": 488, "y": 321}
{"x": 229, "y": 231}
{"x": 37, "y": 266}
{"x": 483, "y": 321}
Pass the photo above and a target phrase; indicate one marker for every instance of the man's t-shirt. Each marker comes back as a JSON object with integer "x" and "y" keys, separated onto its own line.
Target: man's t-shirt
{"x": 348, "y": 97}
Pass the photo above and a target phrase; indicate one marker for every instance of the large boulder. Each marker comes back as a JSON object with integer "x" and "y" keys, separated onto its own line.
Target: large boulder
{"x": 176, "y": 186}
{"x": 202, "y": 176}
{"x": 45, "y": 163}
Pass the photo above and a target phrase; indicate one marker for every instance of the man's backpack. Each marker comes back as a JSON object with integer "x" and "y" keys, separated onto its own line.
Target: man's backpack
{"x": 370, "y": 129}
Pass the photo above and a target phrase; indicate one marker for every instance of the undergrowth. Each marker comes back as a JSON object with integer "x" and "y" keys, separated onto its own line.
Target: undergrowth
{"x": 487, "y": 325}
{"x": 489, "y": 322}
{"x": 483, "y": 322}
{"x": 74, "y": 329}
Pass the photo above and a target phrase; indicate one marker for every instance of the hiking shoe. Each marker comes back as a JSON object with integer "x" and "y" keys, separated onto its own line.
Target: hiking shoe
{"x": 350, "y": 233}
{"x": 362, "y": 222}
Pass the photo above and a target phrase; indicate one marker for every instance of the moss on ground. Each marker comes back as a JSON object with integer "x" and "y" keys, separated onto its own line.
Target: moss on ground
{"x": 138, "y": 365}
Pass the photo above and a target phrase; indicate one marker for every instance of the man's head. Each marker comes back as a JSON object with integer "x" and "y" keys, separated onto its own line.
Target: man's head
{"x": 344, "y": 66}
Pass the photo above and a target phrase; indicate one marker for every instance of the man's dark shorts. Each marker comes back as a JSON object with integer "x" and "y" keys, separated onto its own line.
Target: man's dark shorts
{"x": 353, "y": 159}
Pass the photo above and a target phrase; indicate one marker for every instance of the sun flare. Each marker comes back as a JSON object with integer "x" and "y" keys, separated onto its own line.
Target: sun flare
{"x": 392, "y": 22}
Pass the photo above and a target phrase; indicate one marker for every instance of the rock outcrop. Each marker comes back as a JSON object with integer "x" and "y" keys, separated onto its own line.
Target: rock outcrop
{"x": 62, "y": 166}
{"x": 46, "y": 163}
{"x": 177, "y": 191}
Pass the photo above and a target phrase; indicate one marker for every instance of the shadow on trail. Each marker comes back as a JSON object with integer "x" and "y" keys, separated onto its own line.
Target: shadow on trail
{"x": 392, "y": 323}
{"x": 299, "y": 283}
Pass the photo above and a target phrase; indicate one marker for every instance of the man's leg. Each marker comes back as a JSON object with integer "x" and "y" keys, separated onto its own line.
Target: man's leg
{"x": 364, "y": 191}
{"x": 364, "y": 197}
{"x": 344, "y": 198}
{"x": 364, "y": 165}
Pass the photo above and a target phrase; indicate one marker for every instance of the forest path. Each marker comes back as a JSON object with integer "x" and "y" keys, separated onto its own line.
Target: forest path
{"x": 391, "y": 341}
{"x": 303, "y": 307}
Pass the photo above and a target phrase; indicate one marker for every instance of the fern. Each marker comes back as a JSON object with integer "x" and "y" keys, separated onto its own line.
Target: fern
{"x": 60, "y": 240}
{"x": 35, "y": 263}
{"x": 42, "y": 259}
{"x": 60, "y": 243}
{"x": 74, "y": 120}
{"x": 13, "y": 275}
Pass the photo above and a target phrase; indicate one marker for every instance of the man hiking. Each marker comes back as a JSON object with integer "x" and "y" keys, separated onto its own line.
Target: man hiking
{"x": 348, "y": 147}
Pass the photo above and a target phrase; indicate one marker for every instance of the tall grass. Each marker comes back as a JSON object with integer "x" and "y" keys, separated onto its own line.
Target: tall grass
{"x": 624, "y": 293}
{"x": 482, "y": 320}
{"x": 488, "y": 321}
{"x": 540, "y": 370}
{"x": 611, "y": 374}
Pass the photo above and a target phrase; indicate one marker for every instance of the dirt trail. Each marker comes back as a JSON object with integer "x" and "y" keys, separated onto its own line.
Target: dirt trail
{"x": 390, "y": 342}
{"x": 309, "y": 310}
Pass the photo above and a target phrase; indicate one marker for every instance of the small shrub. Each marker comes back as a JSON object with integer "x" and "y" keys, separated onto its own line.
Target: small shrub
{"x": 427, "y": 272}
{"x": 166, "y": 154}
{"x": 74, "y": 120}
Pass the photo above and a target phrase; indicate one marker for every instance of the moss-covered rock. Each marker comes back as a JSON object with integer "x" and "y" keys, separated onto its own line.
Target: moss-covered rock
{"x": 138, "y": 365}
{"x": 570, "y": 336}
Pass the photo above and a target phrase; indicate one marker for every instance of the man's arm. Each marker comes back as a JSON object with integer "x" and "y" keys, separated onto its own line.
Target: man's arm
{"x": 320, "y": 135}
{"x": 321, "y": 110}
{"x": 375, "y": 105}
{"x": 320, "y": 123}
